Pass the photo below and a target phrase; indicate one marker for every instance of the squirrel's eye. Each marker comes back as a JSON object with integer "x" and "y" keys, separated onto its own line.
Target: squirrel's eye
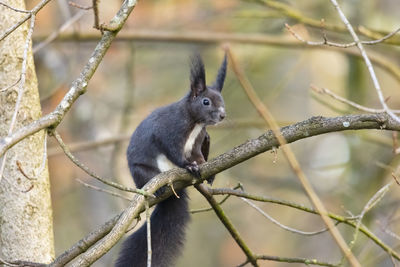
{"x": 206, "y": 102}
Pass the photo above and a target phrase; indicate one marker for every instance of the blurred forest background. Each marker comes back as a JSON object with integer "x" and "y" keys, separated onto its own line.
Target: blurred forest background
{"x": 136, "y": 76}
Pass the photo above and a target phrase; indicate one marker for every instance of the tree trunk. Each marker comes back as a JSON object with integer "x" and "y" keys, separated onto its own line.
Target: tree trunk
{"x": 26, "y": 227}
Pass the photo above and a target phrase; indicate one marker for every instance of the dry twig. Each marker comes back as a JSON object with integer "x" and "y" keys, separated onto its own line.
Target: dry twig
{"x": 346, "y": 101}
{"x": 103, "y": 190}
{"x": 366, "y": 60}
{"x": 94, "y": 175}
{"x": 340, "y": 45}
{"x": 274, "y": 221}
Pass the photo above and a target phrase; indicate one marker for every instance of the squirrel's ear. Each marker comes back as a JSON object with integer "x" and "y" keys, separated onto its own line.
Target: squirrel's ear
{"x": 197, "y": 76}
{"x": 219, "y": 81}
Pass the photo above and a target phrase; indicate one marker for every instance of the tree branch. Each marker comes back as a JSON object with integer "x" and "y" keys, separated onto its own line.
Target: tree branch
{"x": 29, "y": 14}
{"x": 78, "y": 87}
{"x": 227, "y": 223}
{"x": 367, "y": 61}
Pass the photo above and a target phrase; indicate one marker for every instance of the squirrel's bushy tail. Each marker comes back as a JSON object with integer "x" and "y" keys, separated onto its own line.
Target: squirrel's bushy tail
{"x": 168, "y": 223}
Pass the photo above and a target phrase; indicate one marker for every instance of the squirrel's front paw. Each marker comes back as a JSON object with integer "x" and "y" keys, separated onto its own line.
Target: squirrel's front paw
{"x": 193, "y": 168}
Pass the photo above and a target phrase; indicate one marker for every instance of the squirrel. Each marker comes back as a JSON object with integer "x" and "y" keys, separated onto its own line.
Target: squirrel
{"x": 172, "y": 136}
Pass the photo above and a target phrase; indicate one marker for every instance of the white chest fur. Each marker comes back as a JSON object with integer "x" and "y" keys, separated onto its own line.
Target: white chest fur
{"x": 163, "y": 163}
{"x": 187, "y": 149}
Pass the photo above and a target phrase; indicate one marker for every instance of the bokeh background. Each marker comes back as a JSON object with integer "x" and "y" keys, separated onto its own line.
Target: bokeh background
{"x": 136, "y": 76}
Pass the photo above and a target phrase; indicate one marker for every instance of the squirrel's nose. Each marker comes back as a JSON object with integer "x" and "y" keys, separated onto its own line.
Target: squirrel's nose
{"x": 222, "y": 115}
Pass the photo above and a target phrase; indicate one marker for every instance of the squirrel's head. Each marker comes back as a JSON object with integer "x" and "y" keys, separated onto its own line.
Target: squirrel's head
{"x": 205, "y": 102}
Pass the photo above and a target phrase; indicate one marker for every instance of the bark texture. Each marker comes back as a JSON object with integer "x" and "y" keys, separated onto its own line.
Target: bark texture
{"x": 26, "y": 227}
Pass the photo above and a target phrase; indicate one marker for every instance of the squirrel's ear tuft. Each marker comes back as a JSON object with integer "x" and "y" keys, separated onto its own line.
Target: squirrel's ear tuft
{"x": 197, "y": 76}
{"x": 219, "y": 81}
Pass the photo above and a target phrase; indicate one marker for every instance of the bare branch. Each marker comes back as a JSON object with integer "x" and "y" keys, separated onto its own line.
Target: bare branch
{"x": 13, "y": 8}
{"x": 323, "y": 42}
{"x": 103, "y": 190}
{"x": 287, "y": 228}
{"x": 346, "y": 101}
{"x": 34, "y": 11}
{"x": 219, "y": 203}
{"x": 227, "y": 223}
{"x": 296, "y": 260}
{"x": 95, "y": 5}
{"x": 91, "y": 173}
{"x": 82, "y": 146}
{"x": 366, "y": 60}
{"x": 329, "y": 43}
{"x": 370, "y": 204}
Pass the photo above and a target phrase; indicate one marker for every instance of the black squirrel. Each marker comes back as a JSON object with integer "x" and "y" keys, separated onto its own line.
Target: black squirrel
{"x": 171, "y": 136}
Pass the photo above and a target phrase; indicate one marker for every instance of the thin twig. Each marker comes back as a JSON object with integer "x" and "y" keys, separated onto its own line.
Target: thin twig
{"x": 56, "y": 33}
{"x": 384, "y": 38}
{"x": 396, "y": 179}
{"x": 287, "y": 228}
{"x": 103, "y": 190}
{"x": 194, "y": 211}
{"x": 296, "y": 260}
{"x": 14, "y": 9}
{"x": 340, "y": 45}
{"x": 87, "y": 145}
{"x": 34, "y": 11}
{"x": 95, "y": 5}
{"x": 268, "y": 117}
{"x": 148, "y": 224}
{"x": 346, "y": 101}
{"x": 227, "y": 223}
{"x": 323, "y": 42}
{"x": 366, "y": 60}
{"x": 92, "y": 174}
{"x": 370, "y": 204}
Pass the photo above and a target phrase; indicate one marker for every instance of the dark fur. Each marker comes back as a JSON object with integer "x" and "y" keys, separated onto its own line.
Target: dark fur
{"x": 165, "y": 131}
